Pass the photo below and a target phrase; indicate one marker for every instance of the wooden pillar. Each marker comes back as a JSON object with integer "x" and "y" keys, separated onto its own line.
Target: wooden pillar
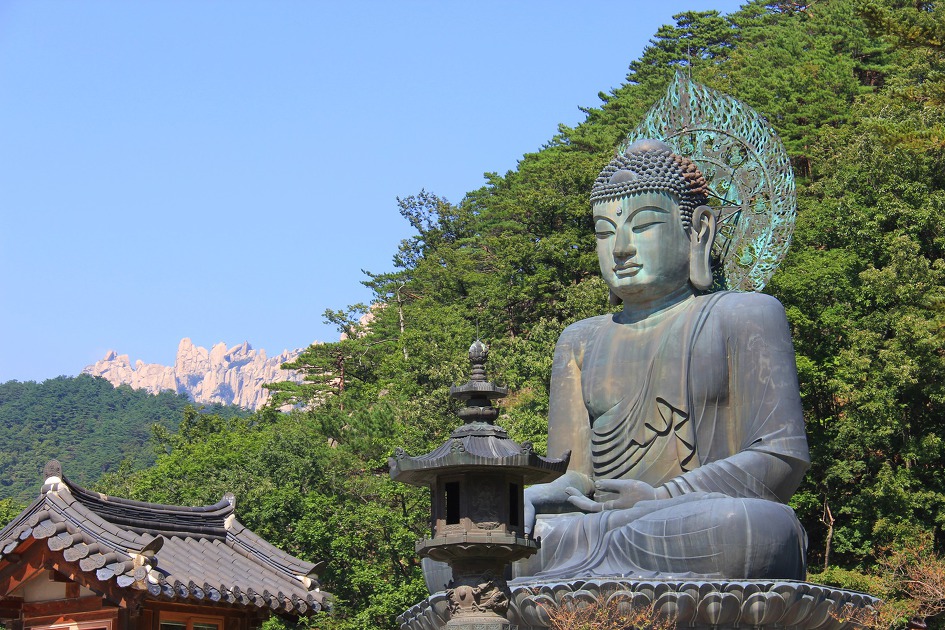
{"x": 130, "y": 616}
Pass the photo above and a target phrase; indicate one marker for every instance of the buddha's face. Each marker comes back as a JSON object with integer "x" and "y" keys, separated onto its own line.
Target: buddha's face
{"x": 642, "y": 247}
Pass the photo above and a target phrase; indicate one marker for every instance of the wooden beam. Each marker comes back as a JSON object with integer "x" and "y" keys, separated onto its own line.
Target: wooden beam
{"x": 11, "y": 608}
{"x": 122, "y": 597}
{"x": 62, "y": 606}
{"x": 31, "y": 563}
{"x": 92, "y": 615}
{"x": 212, "y": 609}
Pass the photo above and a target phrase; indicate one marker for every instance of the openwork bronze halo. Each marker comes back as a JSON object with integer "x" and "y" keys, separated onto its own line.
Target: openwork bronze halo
{"x": 749, "y": 176}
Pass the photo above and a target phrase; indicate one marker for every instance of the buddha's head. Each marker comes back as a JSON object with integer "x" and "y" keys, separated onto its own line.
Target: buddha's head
{"x": 654, "y": 229}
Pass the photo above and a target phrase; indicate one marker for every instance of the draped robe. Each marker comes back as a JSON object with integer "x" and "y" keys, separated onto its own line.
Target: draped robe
{"x": 702, "y": 401}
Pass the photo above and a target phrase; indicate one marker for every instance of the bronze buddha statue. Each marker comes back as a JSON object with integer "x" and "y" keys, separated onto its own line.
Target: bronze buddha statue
{"x": 682, "y": 411}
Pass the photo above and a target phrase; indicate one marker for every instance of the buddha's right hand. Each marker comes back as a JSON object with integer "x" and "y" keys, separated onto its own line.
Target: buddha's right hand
{"x": 553, "y": 497}
{"x": 626, "y": 492}
{"x": 532, "y": 494}
{"x": 529, "y": 516}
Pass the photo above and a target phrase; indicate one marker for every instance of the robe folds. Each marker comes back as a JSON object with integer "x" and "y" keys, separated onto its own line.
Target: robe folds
{"x": 701, "y": 401}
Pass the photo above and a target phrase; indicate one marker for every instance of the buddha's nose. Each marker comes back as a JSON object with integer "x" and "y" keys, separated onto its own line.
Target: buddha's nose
{"x": 623, "y": 246}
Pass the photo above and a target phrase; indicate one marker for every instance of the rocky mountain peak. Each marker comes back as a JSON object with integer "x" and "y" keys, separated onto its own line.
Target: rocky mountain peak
{"x": 232, "y": 376}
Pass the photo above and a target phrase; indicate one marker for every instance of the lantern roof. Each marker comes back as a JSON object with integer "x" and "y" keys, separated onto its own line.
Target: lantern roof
{"x": 479, "y": 443}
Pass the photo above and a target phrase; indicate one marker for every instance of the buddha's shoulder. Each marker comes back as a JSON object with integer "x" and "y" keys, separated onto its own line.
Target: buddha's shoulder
{"x": 581, "y": 330}
{"x": 742, "y": 302}
{"x": 738, "y": 308}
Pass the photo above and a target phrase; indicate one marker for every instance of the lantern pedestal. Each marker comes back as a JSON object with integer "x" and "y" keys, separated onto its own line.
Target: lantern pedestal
{"x": 479, "y": 594}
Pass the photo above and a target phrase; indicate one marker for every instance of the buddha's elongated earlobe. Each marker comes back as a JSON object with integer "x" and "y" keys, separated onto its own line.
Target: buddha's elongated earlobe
{"x": 701, "y": 235}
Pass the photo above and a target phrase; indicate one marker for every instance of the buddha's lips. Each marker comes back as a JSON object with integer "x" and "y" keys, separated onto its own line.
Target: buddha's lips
{"x": 627, "y": 269}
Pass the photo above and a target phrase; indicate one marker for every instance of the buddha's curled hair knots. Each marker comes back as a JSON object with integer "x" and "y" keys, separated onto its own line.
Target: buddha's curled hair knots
{"x": 651, "y": 165}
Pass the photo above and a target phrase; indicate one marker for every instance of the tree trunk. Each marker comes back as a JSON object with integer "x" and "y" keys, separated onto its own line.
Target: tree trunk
{"x": 827, "y": 519}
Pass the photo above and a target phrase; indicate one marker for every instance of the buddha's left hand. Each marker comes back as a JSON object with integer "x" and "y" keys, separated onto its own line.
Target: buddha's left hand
{"x": 625, "y": 492}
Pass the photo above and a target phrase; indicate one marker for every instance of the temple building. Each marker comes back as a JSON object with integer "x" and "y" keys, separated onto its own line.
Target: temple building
{"x": 80, "y": 560}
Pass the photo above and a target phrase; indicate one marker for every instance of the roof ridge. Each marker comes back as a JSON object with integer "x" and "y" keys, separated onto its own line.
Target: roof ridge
{"x": 155, "y": 518}
{"x": 224, "y": 506}
{"x": 274, "y": 556}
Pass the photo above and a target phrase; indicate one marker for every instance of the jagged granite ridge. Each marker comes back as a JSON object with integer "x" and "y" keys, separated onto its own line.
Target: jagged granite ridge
{"x": 231, "y": 376}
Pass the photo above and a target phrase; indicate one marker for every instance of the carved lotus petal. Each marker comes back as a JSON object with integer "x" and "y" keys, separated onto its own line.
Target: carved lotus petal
{"x": 820, "y": 615}
{"x": 536, "y": 610}
{"x": 754, "y": 610}
{"x": 608, "y": 586}
{"x": 579, "y": 600}
{"x": 761, "y": 609}
{"x": 839, "y": 617}
{"x": 556, "y": 590}
{"x": 621, "y": 601}
{"x": 737, "y": 589}
{"x": 818, "y": 592}
{"x": 666, "y": 605}
{"x": 790, "y": 592}
{"x": 692, "y": 589}
{"x": 718, "y": 609}
{"x": 680, "y": 607}
{"x": 642, "y": 601}
{"x": 650, "y": 589}
{"x": 427, "y": 622}
{"x": 413, "y": 613}
{"x": 625, "y": 602}
{"x": 521, "y": 595}
{"x": 514, "y": 614}
{"x": 706, "y": 589}
{"x": 440, "y": 607}
{"x": 797, "y": 611}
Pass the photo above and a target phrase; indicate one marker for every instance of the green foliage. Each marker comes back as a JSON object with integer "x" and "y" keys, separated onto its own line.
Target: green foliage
{"x": 84, "y": 422}
{"x": 9, "y": 508}
{"x": 864, "y": 290}
{"x": 848, "y": 579}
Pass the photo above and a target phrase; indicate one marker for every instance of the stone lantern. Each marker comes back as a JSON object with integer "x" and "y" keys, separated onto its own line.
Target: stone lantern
{"x": 477, "y": 478}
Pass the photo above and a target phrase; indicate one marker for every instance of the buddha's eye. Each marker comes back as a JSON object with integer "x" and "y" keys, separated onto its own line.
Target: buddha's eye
{"x": 604, "y": 228}
{"x": 646, "y": 225}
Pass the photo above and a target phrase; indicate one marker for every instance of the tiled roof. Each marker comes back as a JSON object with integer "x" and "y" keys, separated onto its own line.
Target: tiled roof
{"x": 192, "y": 554}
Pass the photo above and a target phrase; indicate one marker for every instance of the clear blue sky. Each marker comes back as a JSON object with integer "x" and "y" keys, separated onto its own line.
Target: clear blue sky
{"x": 224, "y": 170}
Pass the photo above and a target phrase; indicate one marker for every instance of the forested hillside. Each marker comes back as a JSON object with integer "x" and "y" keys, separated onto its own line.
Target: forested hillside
{"x": 857, "y": 90}
{"x": 85, "y": 422}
